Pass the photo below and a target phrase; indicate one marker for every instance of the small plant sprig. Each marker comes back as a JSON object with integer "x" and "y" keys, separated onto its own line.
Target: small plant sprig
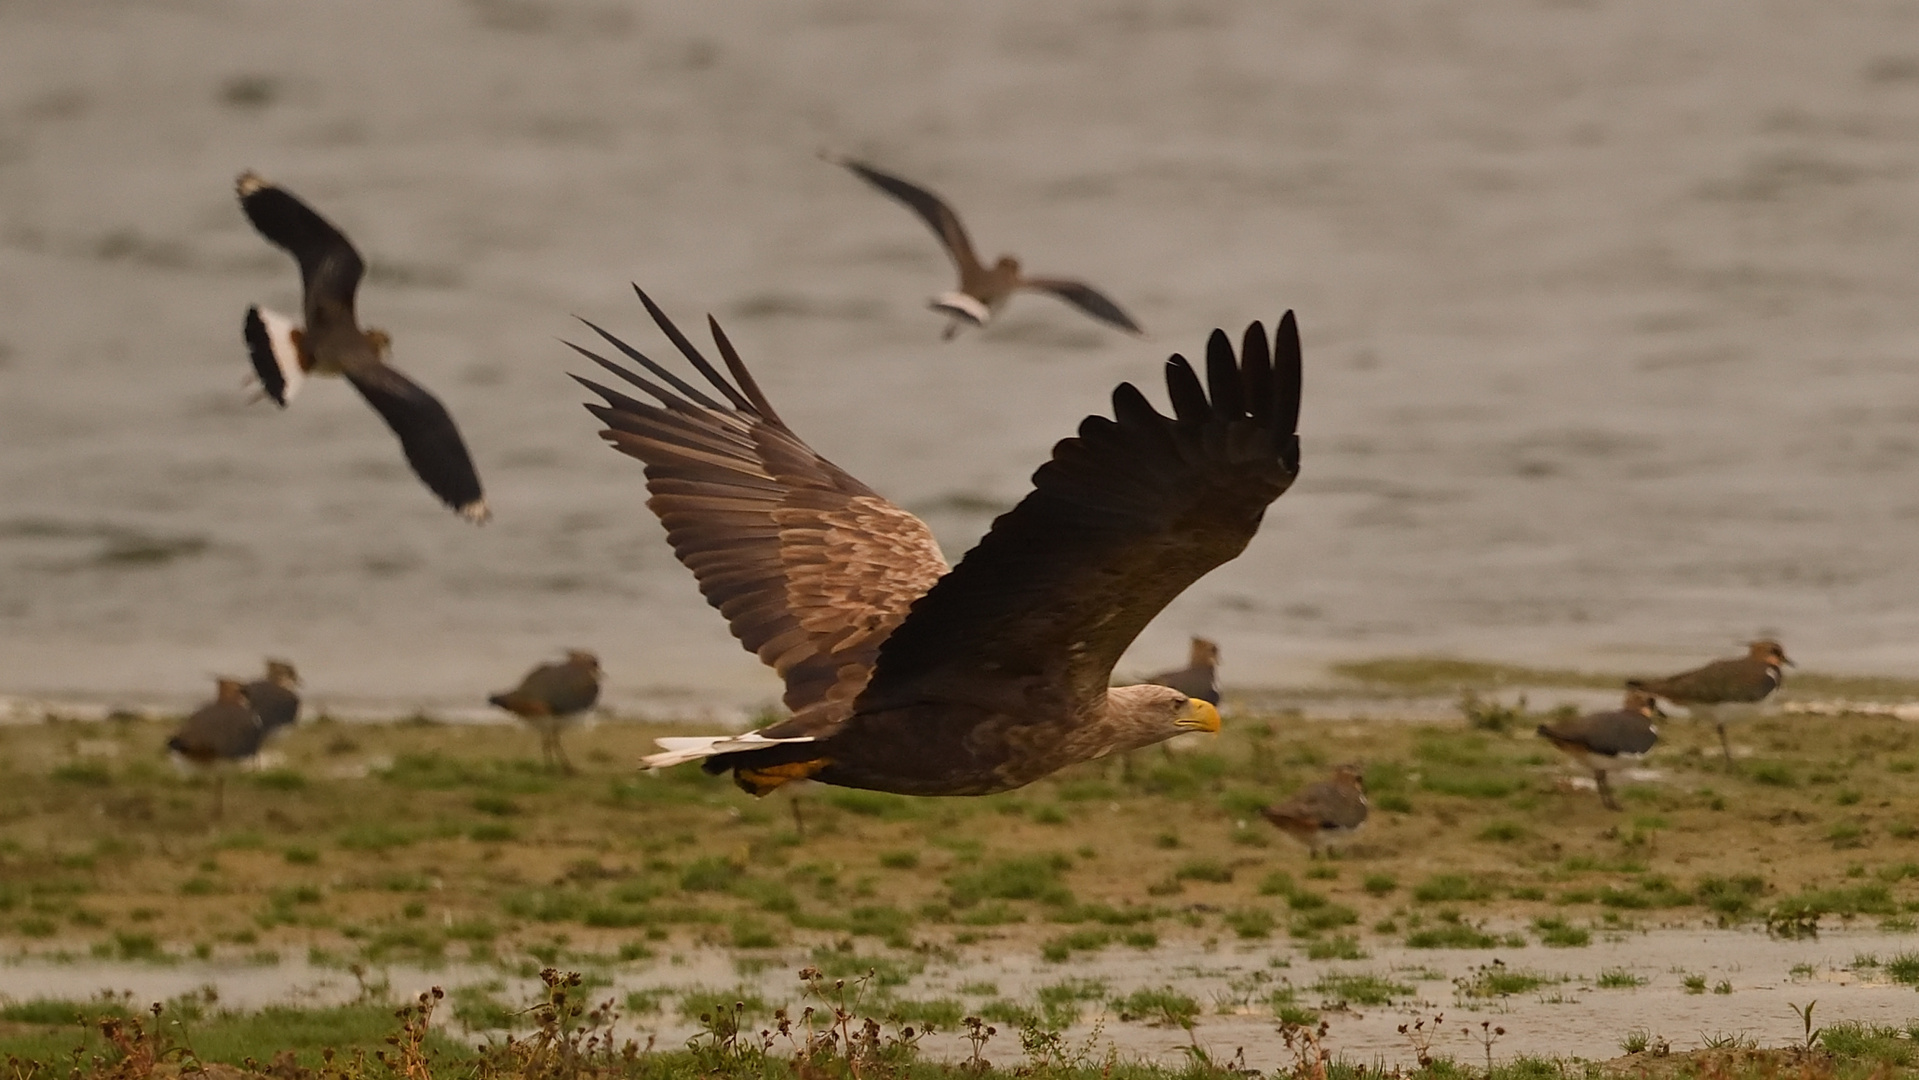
{"x": 568, "y": 1040}
{"x": 142, "y": 1048}
{"x": 978, "y": 1033}
{"x": 1422, "y": 1036}
{"x": 1486, "y": 1037}
{"x": 1812, "y": 1034}
{"x": 1307, "y": 1044}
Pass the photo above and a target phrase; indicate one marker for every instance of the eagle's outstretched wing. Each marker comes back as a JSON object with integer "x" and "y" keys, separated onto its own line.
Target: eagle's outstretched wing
{"x": 1125, "y": 516}
{"x": 810, "y": 567}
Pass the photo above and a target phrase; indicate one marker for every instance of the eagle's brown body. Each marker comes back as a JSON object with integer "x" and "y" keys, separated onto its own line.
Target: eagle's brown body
{"x": 903, "y": 675}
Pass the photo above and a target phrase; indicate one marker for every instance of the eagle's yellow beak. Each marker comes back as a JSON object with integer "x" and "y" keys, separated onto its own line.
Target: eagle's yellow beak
{"x": 1199, "y": 716}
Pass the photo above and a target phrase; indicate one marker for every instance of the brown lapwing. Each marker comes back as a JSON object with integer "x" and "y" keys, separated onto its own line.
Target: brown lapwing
{"x": 1323, "y": 814}
{"x": 1607, "y": 741}
{"x": 1742, "y": 681}
{"x": 329, "y": 341}
{"x": 274, "y": 698}
{"x": 222, "y": 731}
{"x": 1200, "y": 677}
{"x": 983, "y": 289}
{"x": 551, "y": 695}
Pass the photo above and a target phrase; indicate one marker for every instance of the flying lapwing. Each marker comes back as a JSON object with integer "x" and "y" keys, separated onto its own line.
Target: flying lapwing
{"x": 983, "y": 289}
{"x": 327, "y": 340}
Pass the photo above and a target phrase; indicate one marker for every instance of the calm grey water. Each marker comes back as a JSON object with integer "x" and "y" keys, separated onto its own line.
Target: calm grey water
{"x": 1610, "y": 310}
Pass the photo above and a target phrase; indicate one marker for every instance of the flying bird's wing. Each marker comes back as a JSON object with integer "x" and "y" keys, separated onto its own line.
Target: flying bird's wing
{"x": 330, "y": 269}
{"x": 433, "y": 445}
{"x": 810, "y": 567}
{"x": 1087, "y": 299}
{"x": 1124, "y": 517}
{"x": 273, "y": 344}
{"x": 931, "y": 209}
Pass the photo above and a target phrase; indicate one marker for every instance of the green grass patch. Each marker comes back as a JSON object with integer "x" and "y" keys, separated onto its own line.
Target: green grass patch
{"x": 1457, "y": 935}
{"x": 1361, "y": 988}
{"x": 1447, "y": 888}
{"x": 1035, "y": 877}
{"x": 1556, "y": 933}
{"x": 1160, "y": 1006}
{"x": 1497, "y": 980}
{"x": 1336, "y": 947}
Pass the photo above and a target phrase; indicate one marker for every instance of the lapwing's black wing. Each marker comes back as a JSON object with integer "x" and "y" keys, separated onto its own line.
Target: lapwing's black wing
{"x": 930, "y": 207}
{"x": 432, "y": 443}
{"x": 1087, "y": 299}
{"x": 330, "y": 269}
{"x": 272, "y": 345}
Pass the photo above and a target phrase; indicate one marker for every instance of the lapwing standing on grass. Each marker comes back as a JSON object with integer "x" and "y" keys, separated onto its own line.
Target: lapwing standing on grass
{"x": 1604, "y": 742}
{"x": 550, "y": 696}
{"x": 273, "y": 698}
{"x": 1323, "y": 814}
{"x": 1200, "y": 677}
{"x": 983, "y": 289}
{"x": 1742, "y": 681}
{"x": 329, "y": 341}
{"x": 223, "y": 730}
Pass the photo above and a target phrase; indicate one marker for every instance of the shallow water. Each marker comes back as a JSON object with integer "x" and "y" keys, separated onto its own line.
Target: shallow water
{"x": 1609, "y": 309}
{"x": 1570, "y": 1017}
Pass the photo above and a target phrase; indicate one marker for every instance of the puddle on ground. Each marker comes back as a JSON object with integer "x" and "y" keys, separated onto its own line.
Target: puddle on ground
{"x": 1570, "y": 1016}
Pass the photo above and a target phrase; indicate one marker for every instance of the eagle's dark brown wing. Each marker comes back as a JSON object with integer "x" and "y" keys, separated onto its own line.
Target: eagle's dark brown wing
{"x": 1086, "y": 298}
{"x": 1124, "y": 517}
{"x": 432, "y": 443}
{"x": 330, "y": 269}
{"x": 810, "y": 567}
{"x": 931, "y": 209}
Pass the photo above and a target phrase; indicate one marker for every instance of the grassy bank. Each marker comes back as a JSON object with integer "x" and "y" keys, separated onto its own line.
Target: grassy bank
{"x": 418, "y": 843}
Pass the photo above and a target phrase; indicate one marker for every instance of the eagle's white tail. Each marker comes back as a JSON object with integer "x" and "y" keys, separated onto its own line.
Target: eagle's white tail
{"x": 679, "y": 749}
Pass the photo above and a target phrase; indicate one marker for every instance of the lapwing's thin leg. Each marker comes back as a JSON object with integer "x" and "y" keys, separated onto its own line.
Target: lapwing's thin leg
{"x": 1605, "y": 789}
{"x": 1725, "y": 745}
{"x": 799, "y": 819}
